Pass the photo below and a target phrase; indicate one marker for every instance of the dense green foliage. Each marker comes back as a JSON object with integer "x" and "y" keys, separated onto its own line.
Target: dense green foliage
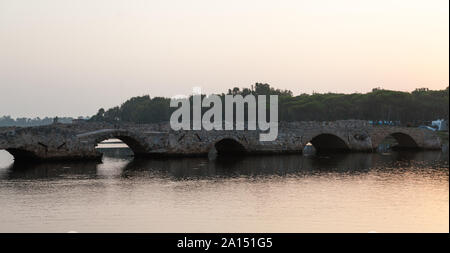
{"x": 415, "y": 107}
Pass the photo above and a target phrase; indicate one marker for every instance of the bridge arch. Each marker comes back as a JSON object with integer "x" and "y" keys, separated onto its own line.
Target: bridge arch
{"x": 326, "y": 142}
{"x": 404, "y": 140}
{"x": 133, "y": 142}
{"x": 229, "y": 146}
{"x": 21, "y": 154}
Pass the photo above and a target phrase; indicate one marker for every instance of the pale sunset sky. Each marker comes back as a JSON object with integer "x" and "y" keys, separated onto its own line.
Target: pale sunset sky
{"x": 71, "y": 57}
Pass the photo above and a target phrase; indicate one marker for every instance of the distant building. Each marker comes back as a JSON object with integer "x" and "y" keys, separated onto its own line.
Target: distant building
{"x": 440, "y": 124}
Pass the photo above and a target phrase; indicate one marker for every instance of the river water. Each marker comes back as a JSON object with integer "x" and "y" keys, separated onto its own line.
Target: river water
{"x": 379, "y": 192}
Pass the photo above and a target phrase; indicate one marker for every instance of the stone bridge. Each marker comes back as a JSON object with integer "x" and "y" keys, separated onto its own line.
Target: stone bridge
{"x": 79, "y": 140}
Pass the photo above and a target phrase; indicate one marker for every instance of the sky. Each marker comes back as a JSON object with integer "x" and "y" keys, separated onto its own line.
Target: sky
{"x": 70, "y": 58}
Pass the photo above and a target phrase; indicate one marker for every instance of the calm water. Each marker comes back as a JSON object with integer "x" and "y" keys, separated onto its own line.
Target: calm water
{"x": 389, "y": 192}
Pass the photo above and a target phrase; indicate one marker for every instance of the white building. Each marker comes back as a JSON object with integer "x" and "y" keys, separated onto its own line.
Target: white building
{"x": 440, "y": 124}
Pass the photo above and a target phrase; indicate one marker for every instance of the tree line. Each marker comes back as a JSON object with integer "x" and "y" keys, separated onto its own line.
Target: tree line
{"x": 410, "y": 108}
{"x": 27, "y": 122}
{"x": 415, "y": 107}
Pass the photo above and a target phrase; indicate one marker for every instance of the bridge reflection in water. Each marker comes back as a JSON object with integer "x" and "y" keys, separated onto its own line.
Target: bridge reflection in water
{"x": 119, "y": 163}
{"x": 353, "y": 192}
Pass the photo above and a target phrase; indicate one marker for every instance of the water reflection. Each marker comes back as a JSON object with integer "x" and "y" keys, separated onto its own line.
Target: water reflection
{"x": 356, "y": 192}
{"x": 117, "y": 163}
{"x": 52, "y": 170}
